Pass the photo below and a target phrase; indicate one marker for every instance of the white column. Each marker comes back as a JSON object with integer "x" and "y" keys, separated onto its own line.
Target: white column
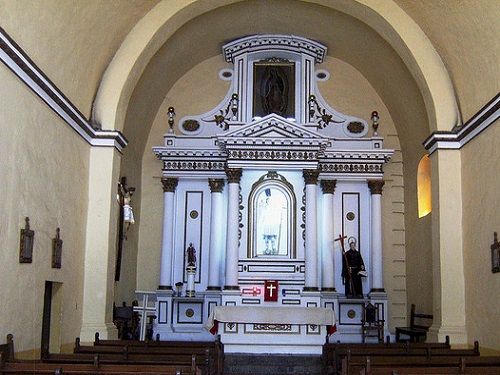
{"x": 216, "y": 245}
{"x": 377, "y": 259}
{"x": 232, "y": 238}
{"x": 311, "y": 251}
{"x": 167, "y": 243}
{"x": 327, "y": 236}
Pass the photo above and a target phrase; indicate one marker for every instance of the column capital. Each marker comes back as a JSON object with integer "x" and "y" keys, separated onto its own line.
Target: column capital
{"x": 310, "y": 176}
{"x": 328, "y": 186}
{"x": 233, "y": 175}
{"x": 376, "y": 186}
{"x": 216, "y": 185}
{"x": 169, "y": 184}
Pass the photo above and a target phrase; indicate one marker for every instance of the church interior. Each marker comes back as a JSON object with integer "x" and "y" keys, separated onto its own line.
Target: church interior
{"x": 263, "y": 170}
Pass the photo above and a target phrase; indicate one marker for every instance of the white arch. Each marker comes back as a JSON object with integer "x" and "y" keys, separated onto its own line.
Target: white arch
{"x": 385, "y": 17}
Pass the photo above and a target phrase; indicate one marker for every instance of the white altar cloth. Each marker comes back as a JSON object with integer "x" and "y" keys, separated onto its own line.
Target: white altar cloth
{"x": 271, "y": 315}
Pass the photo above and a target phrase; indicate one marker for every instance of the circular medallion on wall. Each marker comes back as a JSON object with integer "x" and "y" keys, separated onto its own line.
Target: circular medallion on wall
{"x": 193, "y": 214}
{"x": 351, "y": 314}
{"x": 189, "y": 313}
{"x": 350, "y": 216}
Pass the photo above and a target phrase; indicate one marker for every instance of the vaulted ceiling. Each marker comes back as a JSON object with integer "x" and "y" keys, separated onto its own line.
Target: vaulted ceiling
{"x": 74, "y": 42}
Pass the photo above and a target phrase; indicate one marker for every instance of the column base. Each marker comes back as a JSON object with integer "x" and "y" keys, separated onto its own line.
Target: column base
{"x": 457, "y": 334}
{"x": 310, "y": 289}
{"x": 231, "y": 287}
{"x": 164, "y": 287}
{"x": 213, "y": 288}
{"x": 330, "y": 290}
{"x": 107, "y": 331}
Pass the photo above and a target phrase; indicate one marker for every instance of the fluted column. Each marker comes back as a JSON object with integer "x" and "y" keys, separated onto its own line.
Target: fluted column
{"x": 377, "y": 260}
{"x": 311, "y": 253}
{"x": 232, "y": 237}
{"x": 216, "y": 245}
{"x": 327, "y": 236}
{"x": 167, "y": 243}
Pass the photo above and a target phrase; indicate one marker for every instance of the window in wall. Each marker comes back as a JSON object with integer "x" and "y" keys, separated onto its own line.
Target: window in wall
{"x": 424, "y": 187}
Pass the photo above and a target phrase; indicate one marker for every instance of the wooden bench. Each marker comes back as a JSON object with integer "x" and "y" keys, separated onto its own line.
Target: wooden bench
{"x": 90, "y": 369}
{"x": 333, "y": 353}
{"x": 440, "y": 365}
{"x": 211, "y": 351}
{"x": 416, "y": 332}
{"x": 7, "y": 350}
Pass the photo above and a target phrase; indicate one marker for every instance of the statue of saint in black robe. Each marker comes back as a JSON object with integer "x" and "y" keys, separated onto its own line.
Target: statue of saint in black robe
{"x": 354, "y": 287}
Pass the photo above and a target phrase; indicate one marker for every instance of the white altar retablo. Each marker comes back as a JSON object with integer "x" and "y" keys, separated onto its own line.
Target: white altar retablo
{"x": 277, "y": 330}
{"x": 262, "y": 185}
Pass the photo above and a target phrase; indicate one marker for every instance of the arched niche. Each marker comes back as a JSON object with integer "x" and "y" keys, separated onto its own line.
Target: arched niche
{"x": 271, "y": 218}
{"x": 424, "y": 196}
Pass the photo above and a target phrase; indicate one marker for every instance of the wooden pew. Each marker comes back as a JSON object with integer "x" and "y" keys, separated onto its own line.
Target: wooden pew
{"x": 211, "y": 351}
{"x": 7, "y": 350}
{"x": 109, "y": 369}
{"x": 443, "y": 365}
{"x": 332, "y": 353}
{"x": 208, "y": 355}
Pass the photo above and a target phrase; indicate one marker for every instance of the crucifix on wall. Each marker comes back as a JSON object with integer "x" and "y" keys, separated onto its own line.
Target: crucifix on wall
{"x": 125, "y": 219}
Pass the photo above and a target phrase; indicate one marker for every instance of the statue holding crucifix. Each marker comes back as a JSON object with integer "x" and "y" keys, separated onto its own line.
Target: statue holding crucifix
{"x": 353, "y": 268}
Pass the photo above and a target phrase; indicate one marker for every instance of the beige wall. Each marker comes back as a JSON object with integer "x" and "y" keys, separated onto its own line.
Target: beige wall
{"x": 200, "y": 89}
{"x": 465, "y": 34}
{"x": 72, "y": 41}
{"x": 44, "y": 173}
{"x": 481, "y": 200}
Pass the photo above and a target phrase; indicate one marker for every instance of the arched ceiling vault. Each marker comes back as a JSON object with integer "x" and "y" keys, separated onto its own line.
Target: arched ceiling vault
{"x": 378, "y": 39}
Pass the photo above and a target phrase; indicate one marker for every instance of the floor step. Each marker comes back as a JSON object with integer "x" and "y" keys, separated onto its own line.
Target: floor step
{"x": 243, "y": 364}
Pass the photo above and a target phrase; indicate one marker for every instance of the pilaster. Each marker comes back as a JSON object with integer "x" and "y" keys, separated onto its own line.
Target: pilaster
{"x": 447, "y": 248}
{"x": 100, "y": 245}
{"x": 216, "y": 237}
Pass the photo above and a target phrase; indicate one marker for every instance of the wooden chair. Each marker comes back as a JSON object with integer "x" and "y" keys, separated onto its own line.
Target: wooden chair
{"x": 372, "y": 324}
{"x": 416, "y": 332}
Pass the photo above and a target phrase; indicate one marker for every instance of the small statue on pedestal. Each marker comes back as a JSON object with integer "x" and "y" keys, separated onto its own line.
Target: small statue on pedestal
{"x": 190, "y": 270}
{"x": 191, "y": 255}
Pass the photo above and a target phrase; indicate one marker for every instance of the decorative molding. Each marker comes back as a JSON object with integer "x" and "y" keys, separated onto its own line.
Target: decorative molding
{"x": 376, "y": 186}
{"x": 310, "y": 176}
{"x": 350, "y": 168}
{"x": 290, "y": 43}
{"x": 328, "y": 186}
{"x": 216, "y": 185}
{"x": 169, "y": 184}
{"x": 460, "y": 136}
{"x": 21, "y": 65}
{"x": 233, "y": 175}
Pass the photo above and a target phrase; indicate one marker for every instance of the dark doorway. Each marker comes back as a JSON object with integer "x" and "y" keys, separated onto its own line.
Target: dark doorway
{"x": 51, "y": 320}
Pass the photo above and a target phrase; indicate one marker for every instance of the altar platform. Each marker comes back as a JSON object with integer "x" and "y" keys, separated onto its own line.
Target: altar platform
{"x": 272, "y": 330}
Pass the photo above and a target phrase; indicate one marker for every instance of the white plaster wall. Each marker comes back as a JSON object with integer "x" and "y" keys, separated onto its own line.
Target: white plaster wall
{"x": 44, "y": 174}
{"x": 481, "y": 200}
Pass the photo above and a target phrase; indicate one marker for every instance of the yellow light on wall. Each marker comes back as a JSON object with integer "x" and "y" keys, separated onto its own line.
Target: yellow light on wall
{"x": 424, "y": 187}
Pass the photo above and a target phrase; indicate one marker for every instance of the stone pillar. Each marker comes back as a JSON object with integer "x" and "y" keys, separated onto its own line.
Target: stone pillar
{"x": 377, "y": 273}
{"x": 327, "y": 236}
{"x": 311, "y": 242}
{"x": 232, "y": 237}
{"x": 447, "y": 248}
{"x": 167, "y": 243}
{"x": 216, "y": 245}
{"x": 100, "y": 245}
